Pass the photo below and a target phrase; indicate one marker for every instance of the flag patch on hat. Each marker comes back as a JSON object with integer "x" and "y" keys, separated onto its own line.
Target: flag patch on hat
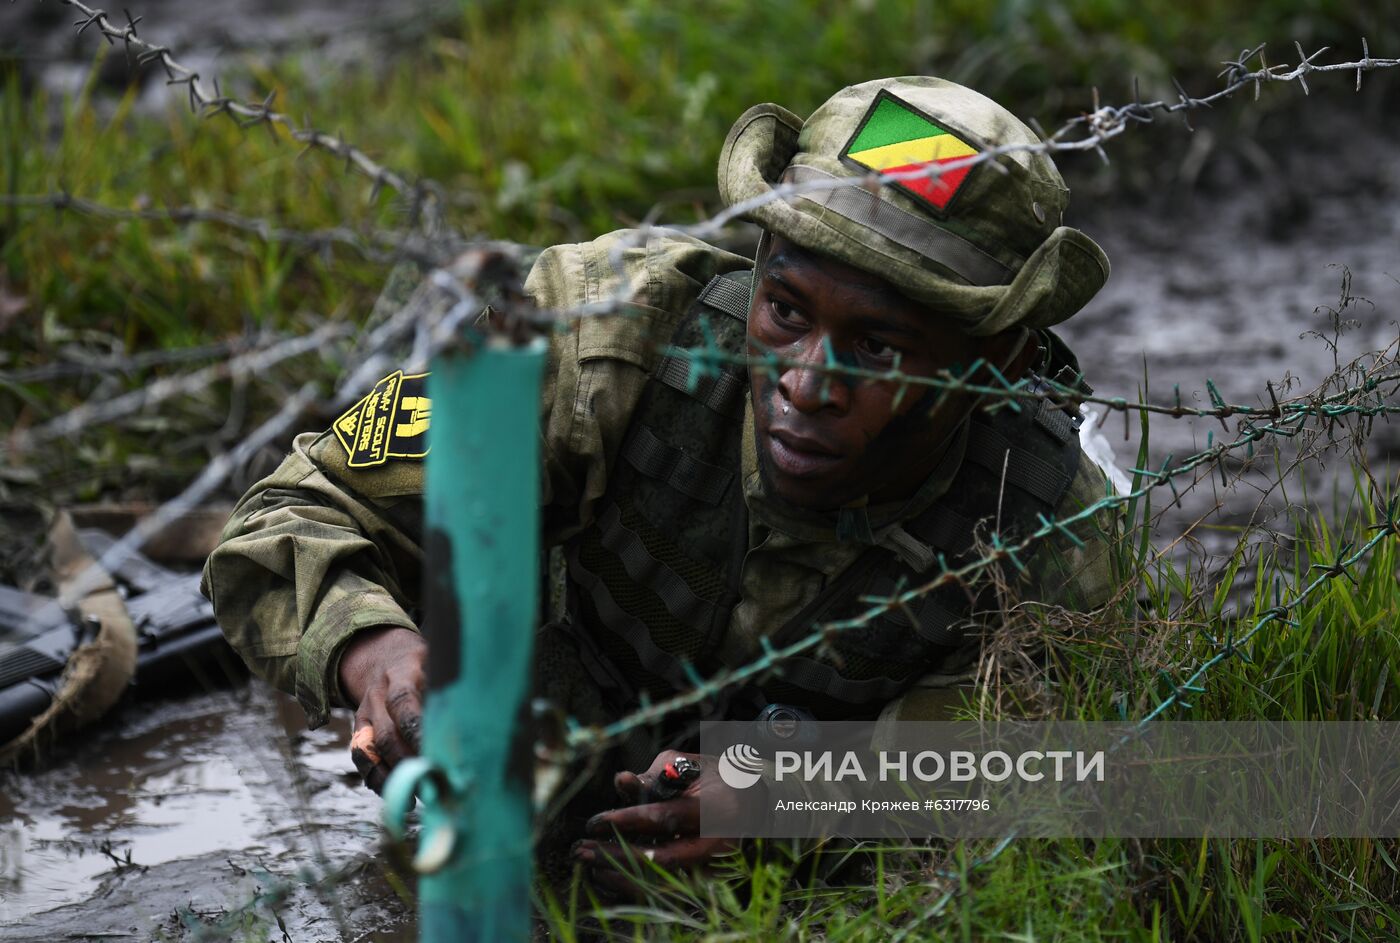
{"x": 894, "y": 137}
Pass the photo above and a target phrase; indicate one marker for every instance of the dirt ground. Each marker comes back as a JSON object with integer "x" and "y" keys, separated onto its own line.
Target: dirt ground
{"x": 1229, "y": 283}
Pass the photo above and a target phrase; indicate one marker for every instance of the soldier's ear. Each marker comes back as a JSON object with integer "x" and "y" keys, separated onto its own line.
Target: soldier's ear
{"x": 1014, "y": 351}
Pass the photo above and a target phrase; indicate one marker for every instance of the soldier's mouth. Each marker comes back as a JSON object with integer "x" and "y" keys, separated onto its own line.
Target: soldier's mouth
{"x": 799, "y": 456}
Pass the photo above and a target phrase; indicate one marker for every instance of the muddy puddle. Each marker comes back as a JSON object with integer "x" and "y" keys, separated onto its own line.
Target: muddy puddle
{"x": 173, "y": 818}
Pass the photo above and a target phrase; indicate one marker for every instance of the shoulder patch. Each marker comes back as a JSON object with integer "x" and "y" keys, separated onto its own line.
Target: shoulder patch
{"x": 391, "y": 422}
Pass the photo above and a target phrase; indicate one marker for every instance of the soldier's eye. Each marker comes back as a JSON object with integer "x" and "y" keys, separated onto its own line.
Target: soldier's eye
{"x": 785, "y": 314}
{"x": 876, "y": 349}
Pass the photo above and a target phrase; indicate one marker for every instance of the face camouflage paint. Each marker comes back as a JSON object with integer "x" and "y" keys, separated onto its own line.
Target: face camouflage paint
{"x": 895, "y": 138}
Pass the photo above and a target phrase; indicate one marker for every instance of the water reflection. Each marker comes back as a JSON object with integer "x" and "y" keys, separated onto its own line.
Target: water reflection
{"x": 228, "y": 783}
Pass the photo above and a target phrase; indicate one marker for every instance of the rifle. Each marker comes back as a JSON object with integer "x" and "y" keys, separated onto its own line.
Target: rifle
{"x": 177, "y": 635}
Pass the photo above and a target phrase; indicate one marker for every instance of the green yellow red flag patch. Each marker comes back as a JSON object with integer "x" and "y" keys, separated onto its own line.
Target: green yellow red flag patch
{"x": 390, "y": 422}
{"x": 894, "y": 137}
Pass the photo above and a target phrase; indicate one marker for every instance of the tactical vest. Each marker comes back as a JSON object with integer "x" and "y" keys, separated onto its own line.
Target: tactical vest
{"x": 654, "y": 579}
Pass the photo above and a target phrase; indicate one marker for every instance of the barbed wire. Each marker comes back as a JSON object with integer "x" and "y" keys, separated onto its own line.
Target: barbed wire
{"x": 374, "y": 245}
{"x": 423, "y": 193}
{"x": 1086, "y": 132}
{"x": 1229, "y": 649}
{"x": 453, "y": 294}
{"x": 709, "y": 357}
{"x": 249, "y": 364}
{"x": 79, "y": 364}
{"x": 1089, "y": 131}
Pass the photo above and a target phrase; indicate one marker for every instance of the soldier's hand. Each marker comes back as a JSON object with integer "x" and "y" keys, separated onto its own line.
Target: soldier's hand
{"x": 665, "y": 832}
{"x": 381, "y": 672}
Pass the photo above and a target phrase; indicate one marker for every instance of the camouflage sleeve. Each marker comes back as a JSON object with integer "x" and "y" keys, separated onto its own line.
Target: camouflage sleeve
{"x": 322, "y": 549}
{"x": 307, "y": 560}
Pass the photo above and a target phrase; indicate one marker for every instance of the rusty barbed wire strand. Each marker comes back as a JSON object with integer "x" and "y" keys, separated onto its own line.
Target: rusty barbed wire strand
{"x": 1231, "y": 648}
{"x": 1101, "y": 125}
{"x": 1388, "y": 527}
{"x": 432, "y": 321}
{"x": 423, "y": 193}
{"x": 224, "y": 464}
{"x": 1098, "y": 127}
{"x": 212, "y": 475}
{"x": 708, "y": 356}
{"x": 374, "y": 245}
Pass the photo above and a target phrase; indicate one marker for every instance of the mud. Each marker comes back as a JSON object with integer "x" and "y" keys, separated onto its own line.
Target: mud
{"x": 174, "y": 817}
{"x": 1238, "y": 282}
{"x": 43, "y": 40}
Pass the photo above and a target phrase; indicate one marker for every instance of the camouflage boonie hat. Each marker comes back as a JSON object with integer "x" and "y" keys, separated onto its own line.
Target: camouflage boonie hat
{"x": 983, "y": 245}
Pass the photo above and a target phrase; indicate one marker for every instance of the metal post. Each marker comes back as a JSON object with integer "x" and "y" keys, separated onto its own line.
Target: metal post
{"x": 474, "y": 778}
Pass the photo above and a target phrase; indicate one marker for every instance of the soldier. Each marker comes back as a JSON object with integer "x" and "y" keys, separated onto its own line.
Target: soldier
{"x": 699, "y": 519}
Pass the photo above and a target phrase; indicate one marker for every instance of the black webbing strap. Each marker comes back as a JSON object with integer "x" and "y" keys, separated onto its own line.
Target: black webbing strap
{"x": 935, "y": 622}
{"x": 688, "y": 475}
{"x": 675, "y": 594}
{"x": 660, "y": 663}
{"x": 812, "y": 675}
{"x": 722, "y": 392}
{"x": 1055, "y": 421}
{"x": 943, "y": 529}
{"x": 837, "y": 592}
{"x": 1031, "y": 474}
{"x": 729, "y": 293}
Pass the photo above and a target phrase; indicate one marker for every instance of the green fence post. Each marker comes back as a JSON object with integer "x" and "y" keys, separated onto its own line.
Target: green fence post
{"x": 481, "y": 593}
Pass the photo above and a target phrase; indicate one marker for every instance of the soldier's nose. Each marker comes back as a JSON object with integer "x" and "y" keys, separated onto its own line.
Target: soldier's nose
{"x": 808, "y": 386}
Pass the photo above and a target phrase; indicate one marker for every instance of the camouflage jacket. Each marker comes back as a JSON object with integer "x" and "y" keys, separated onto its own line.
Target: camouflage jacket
{"x": 329, "y": 543}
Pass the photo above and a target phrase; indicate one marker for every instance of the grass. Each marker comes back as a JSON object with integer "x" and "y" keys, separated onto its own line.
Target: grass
{"x": 1338, "y": 659}
{"x": 556, "y": 121}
